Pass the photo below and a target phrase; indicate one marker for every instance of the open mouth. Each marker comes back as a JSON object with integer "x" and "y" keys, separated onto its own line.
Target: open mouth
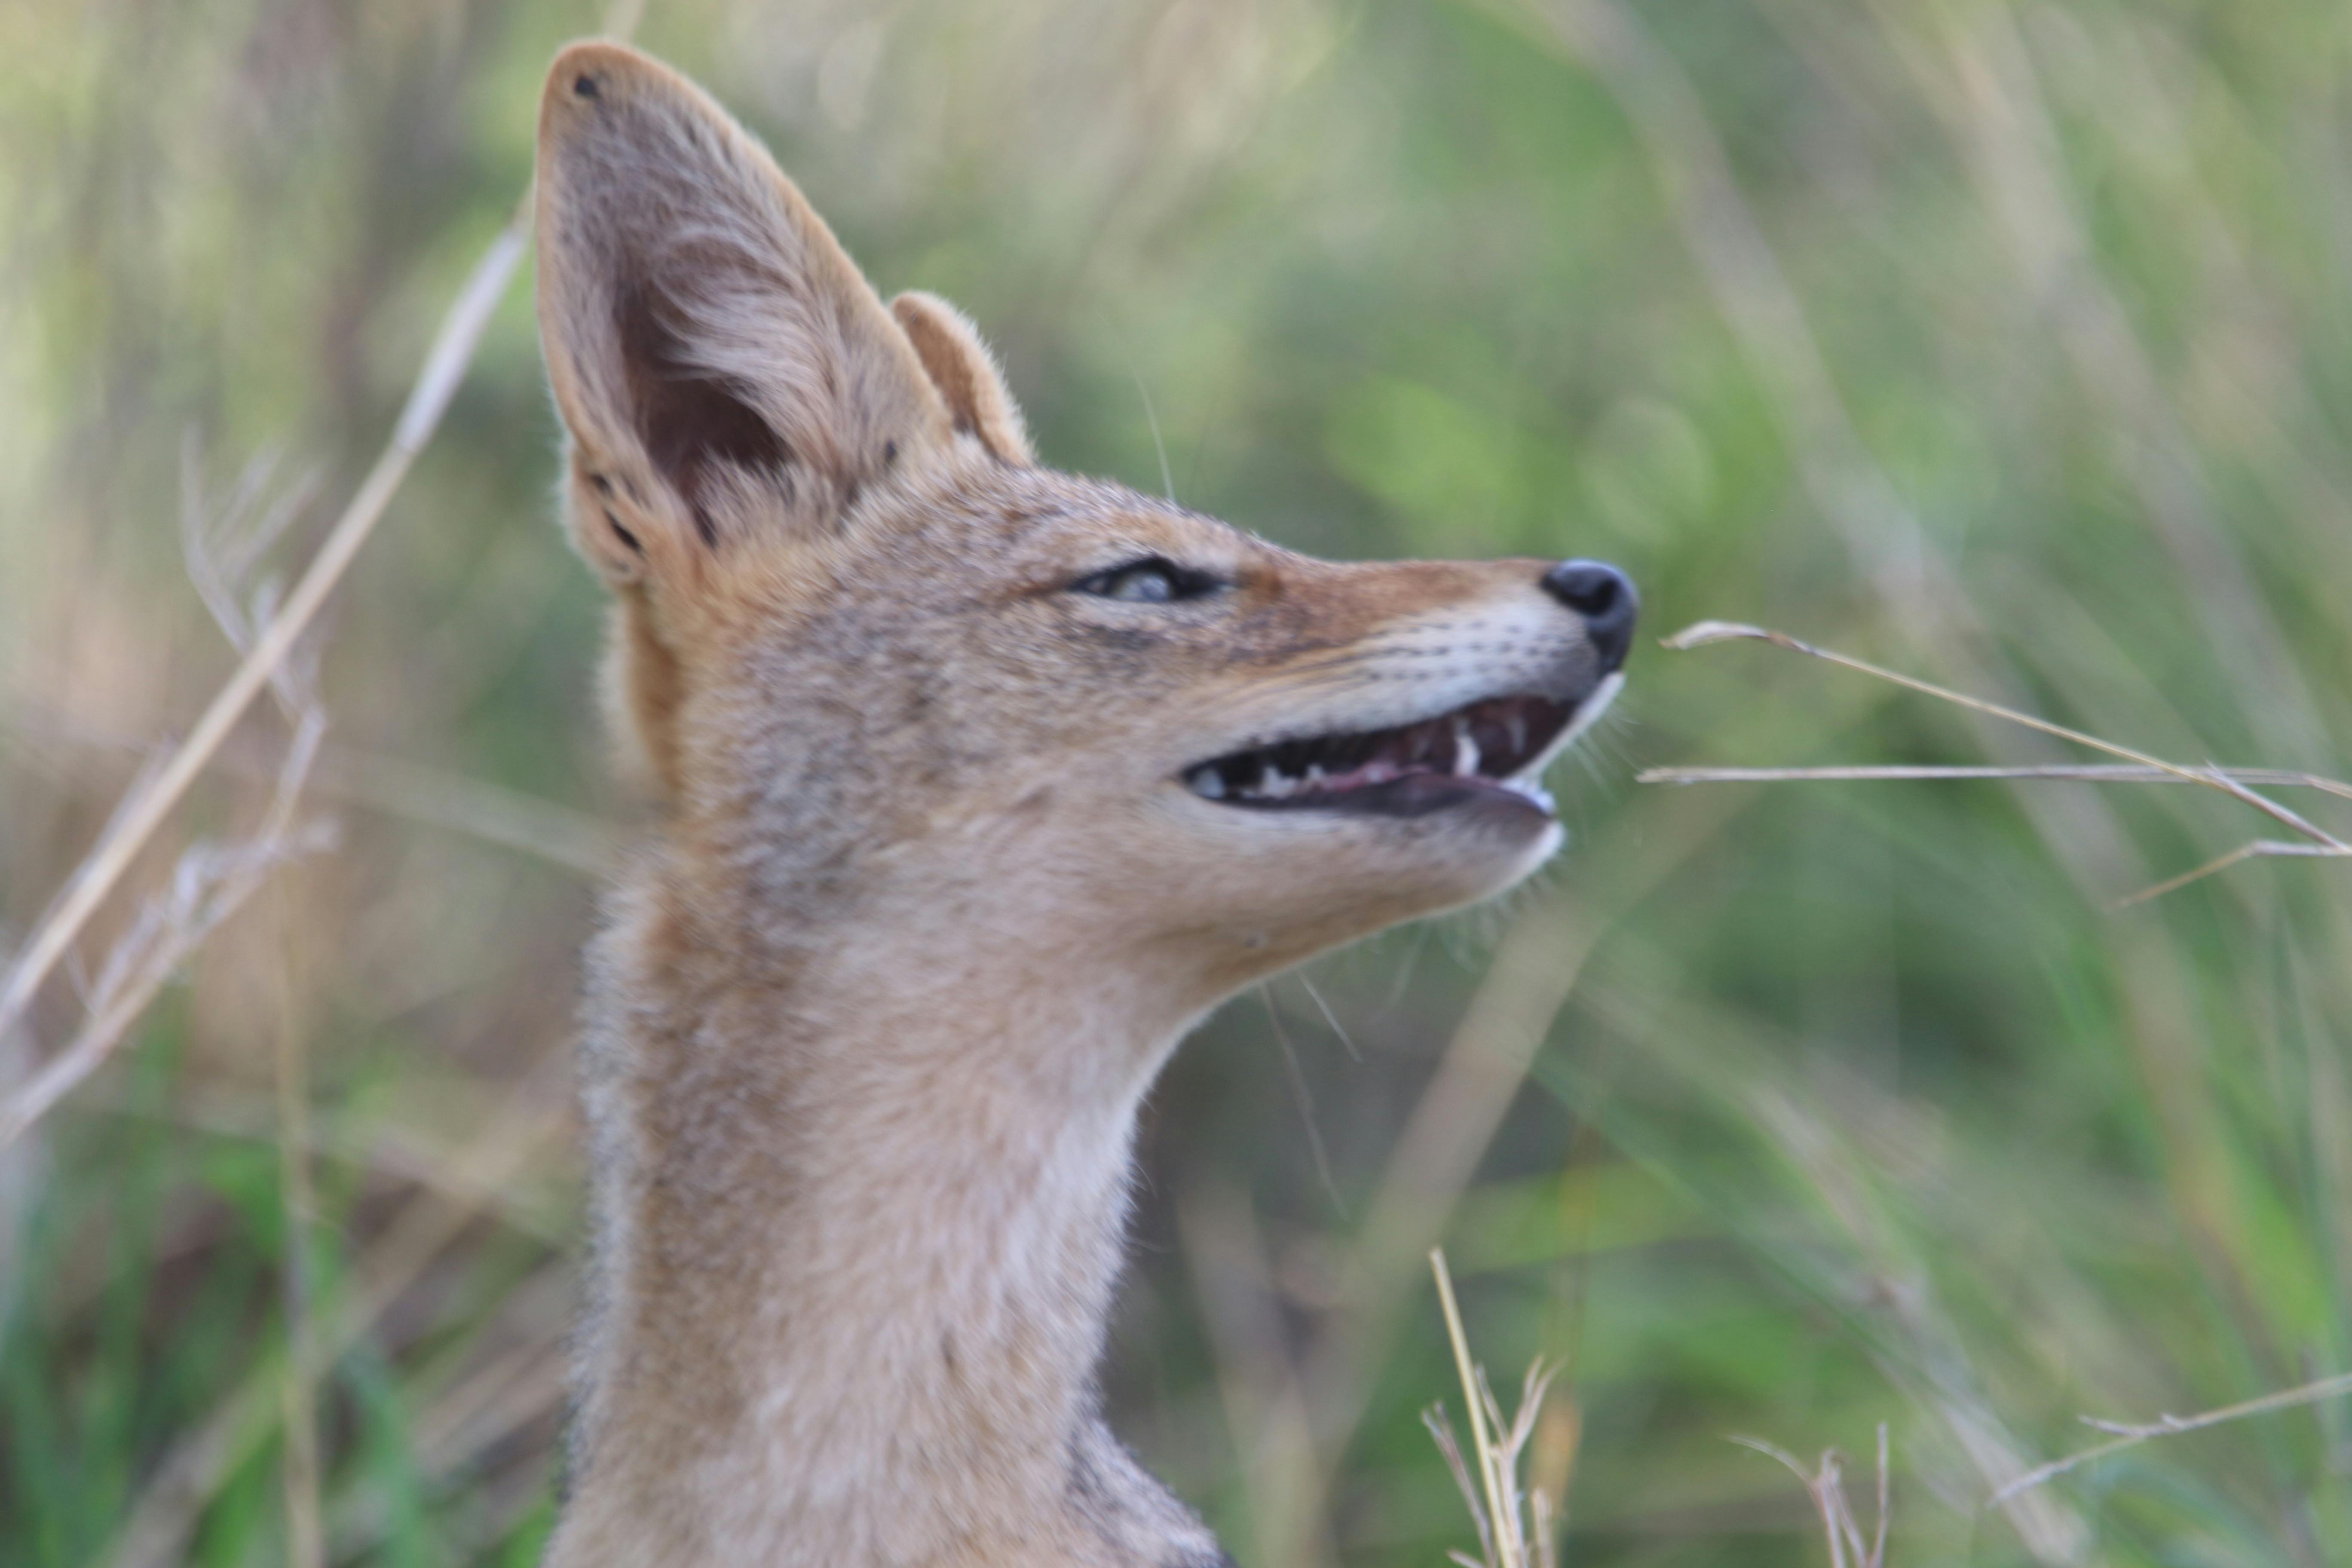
{"x": 1494, "y": 749}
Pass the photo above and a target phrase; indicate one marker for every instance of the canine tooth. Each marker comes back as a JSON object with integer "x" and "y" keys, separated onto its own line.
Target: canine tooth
{"x": 1208, "y": 781}
{"x": 1517, "y": 724}
{"x": 1466, "y": 751}
{"x": 1314, "y": 773}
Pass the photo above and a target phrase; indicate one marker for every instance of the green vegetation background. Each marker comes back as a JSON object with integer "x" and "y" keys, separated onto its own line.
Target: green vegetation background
{"x": 2007, "y": 342}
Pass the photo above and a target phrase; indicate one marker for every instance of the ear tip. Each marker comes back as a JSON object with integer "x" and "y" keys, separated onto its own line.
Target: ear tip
{"x": 914, "y": 305}
{"x": 589, "y": 72}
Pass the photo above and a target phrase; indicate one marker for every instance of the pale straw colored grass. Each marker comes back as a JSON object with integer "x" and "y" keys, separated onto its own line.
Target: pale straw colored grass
{"x": 150, "y": 802}
{"x": 1849, "y": 1547}
{"x": 1517, "y": 1527}
{"x": 222, "y": 544}
{"x": 2129, "y": 1434}
{"x": 2316, "y": 842}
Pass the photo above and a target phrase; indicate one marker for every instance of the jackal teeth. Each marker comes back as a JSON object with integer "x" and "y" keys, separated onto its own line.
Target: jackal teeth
{"x": 1492, "y": 742}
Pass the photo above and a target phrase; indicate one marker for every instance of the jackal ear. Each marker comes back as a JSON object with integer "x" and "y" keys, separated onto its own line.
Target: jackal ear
{"x": 722, "y": 364}
{"x": 965, "y": 374}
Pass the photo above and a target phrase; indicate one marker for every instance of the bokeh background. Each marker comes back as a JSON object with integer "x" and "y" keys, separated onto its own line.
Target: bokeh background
{"x": 2010, "y": 343}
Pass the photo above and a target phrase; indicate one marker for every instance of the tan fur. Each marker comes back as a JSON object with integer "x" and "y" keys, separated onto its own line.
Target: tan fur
{"x": 966, "y": 376}
{"x": 928, "y": 905}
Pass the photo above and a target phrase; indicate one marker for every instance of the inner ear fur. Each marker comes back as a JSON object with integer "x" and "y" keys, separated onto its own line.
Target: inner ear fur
{"x": 965, "y": 374}
{"x": 720, "y": 363}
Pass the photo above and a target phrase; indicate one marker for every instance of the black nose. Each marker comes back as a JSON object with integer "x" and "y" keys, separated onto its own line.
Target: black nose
{"x": 1604, "y": 596}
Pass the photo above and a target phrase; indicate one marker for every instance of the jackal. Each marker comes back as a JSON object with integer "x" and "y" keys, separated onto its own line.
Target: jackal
{"x": 981, "y": 784}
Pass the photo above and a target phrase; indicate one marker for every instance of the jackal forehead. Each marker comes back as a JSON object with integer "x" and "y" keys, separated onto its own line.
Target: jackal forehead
{"x": 1060, "y": 516}
{"x": 969, "y": 538}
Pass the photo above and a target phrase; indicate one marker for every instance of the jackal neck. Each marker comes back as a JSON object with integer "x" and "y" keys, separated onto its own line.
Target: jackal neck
{"x": 861, "y": 1181}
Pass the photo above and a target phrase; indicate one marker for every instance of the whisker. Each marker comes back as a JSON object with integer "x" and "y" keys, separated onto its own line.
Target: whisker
{"x": 1306, "y": 1101}
{"x": 1411, "y": 962}
{"x": 1331, "y": 1018}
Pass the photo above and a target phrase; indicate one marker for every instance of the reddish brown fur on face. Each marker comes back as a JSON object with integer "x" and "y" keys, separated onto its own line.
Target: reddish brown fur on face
{"x": 929, "y": 899}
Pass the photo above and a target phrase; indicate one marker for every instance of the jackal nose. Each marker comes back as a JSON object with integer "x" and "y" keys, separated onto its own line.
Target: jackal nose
{"x": 1604, "y": 596}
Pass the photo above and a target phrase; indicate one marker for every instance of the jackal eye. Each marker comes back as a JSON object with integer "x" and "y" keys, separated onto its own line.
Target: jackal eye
{"x": 1154, "y": 580}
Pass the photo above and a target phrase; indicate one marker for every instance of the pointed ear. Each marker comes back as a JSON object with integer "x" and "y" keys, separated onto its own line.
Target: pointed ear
{"x": 722, "y": 365}
{"x": 965, "y": 374}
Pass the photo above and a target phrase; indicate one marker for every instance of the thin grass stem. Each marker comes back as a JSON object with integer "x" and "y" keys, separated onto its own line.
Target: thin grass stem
{"x": 2167, "y": 1425}
{"x": 2084, "y": 773}
{"x": 2260, "y": 849}
{"x": 1470, "y": 1387}
{"x": 445, "y": 365}
{"x": 1703, "y": 634}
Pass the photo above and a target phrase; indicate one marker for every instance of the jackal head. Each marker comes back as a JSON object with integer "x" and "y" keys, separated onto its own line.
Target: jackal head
{"x": 870, "y": 650}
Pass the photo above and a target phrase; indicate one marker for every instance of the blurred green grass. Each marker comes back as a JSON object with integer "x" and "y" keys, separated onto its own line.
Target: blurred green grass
{"x": 2004, "y": 342}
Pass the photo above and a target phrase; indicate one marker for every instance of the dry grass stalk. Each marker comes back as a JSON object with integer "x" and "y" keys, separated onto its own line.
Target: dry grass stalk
{"x": 1848, "y": 1546}
{"x": 2082, "y": 772}
{"x": 1515, "y": 1529}
{"x": 210, "y": 882}
{"x": 2130, "y": 1436}
{"x": 392, "y": 786}
{"x": 2316, "y": 843}
{"x": 151, "y": 799}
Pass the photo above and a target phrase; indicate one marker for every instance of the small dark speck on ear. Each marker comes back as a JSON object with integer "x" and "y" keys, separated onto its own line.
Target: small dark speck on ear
{"x": 603, "y": 486}
{"x": 586, "y": 86}
{"x": 889, "y": 453}
{"x": 624, "y": 534}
